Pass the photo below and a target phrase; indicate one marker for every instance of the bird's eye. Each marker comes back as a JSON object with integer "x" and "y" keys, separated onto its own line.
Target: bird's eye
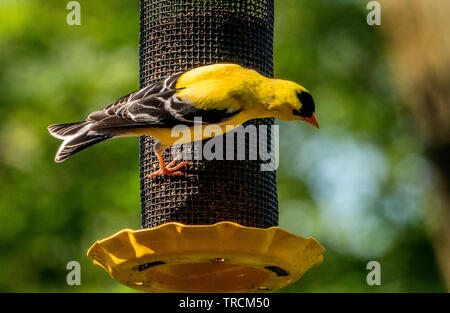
{"x": 297, "y": 112}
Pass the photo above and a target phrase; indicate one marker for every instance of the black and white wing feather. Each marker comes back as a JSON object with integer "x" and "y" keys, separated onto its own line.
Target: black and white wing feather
{"x": 156, "y": 105}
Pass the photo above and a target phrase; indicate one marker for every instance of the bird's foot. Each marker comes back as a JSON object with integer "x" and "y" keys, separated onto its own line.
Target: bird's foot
{"x": 171, "y": 169}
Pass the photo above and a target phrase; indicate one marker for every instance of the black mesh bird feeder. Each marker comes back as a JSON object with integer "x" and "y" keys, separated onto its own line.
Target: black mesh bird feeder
{"x": 215, "y": 229}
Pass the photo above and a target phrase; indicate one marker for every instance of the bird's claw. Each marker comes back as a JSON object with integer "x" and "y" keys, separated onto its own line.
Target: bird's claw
{"x": 170, "y": 169}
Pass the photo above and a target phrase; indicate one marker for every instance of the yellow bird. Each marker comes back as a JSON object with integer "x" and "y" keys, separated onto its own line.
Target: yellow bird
{"x": 219, "y": 94}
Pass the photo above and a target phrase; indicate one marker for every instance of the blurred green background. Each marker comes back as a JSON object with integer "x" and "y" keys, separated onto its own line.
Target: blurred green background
{"x": 360, "y": 185}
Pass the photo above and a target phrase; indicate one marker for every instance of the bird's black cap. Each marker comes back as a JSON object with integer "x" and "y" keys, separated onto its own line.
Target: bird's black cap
{"x": 308, "y": 106}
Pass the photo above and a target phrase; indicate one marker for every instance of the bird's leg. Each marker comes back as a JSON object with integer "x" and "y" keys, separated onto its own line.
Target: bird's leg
{"x": 171, "y": 169}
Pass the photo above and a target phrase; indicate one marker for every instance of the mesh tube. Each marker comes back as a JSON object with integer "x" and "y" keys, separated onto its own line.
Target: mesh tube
{"x": 178, "y": 35}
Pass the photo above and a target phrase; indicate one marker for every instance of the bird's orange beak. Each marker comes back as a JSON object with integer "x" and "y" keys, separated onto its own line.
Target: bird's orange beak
{"x": 312, "y": 120}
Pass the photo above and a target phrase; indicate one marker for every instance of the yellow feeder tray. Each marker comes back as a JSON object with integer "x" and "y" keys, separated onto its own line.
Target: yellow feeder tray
{"x": 223, "y": 257}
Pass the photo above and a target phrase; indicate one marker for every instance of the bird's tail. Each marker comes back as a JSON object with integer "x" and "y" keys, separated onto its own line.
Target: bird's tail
{"x": 76, "y": 137}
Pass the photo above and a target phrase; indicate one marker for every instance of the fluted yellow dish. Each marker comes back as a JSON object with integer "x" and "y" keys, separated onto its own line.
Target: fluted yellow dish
{"x": 223, "y": 257}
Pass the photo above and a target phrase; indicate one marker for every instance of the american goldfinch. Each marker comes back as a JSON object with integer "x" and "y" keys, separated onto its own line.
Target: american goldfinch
{"x": 219, "y": 94}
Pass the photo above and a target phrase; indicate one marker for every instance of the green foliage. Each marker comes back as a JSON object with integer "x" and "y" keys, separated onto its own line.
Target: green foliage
{"x": 359, "y": 185}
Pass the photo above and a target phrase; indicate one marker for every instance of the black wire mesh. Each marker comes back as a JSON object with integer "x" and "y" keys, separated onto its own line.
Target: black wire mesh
{"x": 178, "y": 35}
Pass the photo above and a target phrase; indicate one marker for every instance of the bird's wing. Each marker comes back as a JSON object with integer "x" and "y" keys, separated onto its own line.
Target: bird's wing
{"x": 156, "y": 105}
